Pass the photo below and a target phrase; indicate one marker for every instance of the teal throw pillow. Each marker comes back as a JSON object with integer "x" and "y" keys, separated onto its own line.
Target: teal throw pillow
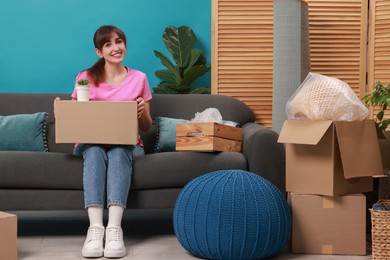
{"x": 23, "y": 132}
{"x": 166, "y": 135}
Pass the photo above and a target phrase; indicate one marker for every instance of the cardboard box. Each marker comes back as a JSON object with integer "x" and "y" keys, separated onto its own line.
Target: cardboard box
{"x": 99, "y": 122}
{"x": 208, "y": 137}
{"x": 330, "y": 158}
{"x": 8, "y": 236}
{"x": 384, "y": 145}
{"x": 384, "y": 183}
{"x": 328, "y": 225}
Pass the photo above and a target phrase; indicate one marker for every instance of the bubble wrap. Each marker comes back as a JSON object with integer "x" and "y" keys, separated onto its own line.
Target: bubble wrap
{"x": 208, "y": 115}
{"x": 325, "y": 98}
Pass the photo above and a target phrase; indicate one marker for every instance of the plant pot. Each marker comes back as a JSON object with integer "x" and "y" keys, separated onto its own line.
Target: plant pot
{"x": 82, "y": 92}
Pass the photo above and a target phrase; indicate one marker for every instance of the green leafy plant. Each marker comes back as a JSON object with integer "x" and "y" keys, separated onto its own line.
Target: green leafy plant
{"x": 83, "y": 82}
{"x": 190, "y": 63}
{"x": 379, "y": 96}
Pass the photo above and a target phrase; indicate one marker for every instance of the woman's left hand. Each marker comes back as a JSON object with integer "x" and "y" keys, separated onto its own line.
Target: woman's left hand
{"x": 141, "y": 106}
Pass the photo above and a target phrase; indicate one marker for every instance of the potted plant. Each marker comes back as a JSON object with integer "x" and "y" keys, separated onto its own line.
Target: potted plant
{"x": 190, "y": 63}
{"x": 83, "y": 82}
{"x": 82, "y": 89}
{"x": 379, "y": 96}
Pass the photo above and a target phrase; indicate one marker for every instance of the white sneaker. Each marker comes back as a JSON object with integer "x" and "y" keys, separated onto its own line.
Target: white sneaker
{"x": 93, "y": 245}
{"x": 115, "y": 247}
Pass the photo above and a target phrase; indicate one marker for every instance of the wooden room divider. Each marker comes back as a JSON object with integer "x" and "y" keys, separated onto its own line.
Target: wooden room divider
{"x": 242, "y": 47}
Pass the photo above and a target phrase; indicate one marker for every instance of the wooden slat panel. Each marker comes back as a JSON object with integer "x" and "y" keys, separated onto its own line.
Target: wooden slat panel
{"x": 242, "y": 47}
{"x": 338, "y": 38}
{"x": 243, "y": 53}
{"x": 379, "y": 46}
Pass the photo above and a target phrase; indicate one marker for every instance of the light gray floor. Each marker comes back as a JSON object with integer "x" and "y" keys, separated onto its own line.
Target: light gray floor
{"x": 149, "y": 234}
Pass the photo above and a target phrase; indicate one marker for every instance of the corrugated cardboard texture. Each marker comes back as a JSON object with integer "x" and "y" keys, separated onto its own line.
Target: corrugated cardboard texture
{"x": 208, "y": 137}
{"x": 359, "y": 148}
{"x": 315, "y": 165}
{"x": 328, "y": 225}
{"x": 8, "y": 236}
{"x": 99, "y": 122}
{"x": 384, "y": 145}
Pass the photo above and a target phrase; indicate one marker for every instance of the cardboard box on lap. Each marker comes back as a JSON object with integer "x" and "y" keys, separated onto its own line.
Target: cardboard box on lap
{"x": 328, "y": 225}
{"x": 99, "y": 122}
{"x": 208, "y": 137}
{"x": 330, "y": 157}
{"x": 8, "y": 236}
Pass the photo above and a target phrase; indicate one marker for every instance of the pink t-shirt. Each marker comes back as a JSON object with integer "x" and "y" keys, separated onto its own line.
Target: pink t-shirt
{"x": 135, "y": 85}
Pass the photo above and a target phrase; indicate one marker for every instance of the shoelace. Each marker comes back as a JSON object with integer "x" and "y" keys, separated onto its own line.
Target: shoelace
{"x": 95, "y": 234}
{"x": 113, "y": 234}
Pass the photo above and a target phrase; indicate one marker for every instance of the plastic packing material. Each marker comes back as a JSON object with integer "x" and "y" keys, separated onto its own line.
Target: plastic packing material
{"x": 381, "y": 206}
{"x": 322, "y": 97}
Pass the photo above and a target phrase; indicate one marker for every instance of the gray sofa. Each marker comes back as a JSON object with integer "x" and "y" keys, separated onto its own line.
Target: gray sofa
{"x": 53, "y": 180}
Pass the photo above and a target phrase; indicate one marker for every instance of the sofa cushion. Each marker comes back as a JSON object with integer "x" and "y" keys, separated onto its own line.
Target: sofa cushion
{"x": 23, "y": 132}
{"x": 187, "y": 105}
{"x": 174, "y": 170}
{"x": 37, "y": 170}
{"x": 166, "y": 135}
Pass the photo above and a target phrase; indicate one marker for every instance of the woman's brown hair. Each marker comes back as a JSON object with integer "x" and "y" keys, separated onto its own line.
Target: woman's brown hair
{"x": 101, "y": 36}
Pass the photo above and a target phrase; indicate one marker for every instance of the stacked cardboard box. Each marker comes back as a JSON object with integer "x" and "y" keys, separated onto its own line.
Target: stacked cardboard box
{"x": 328, "y": 165}
{"x": 8, "y": 236}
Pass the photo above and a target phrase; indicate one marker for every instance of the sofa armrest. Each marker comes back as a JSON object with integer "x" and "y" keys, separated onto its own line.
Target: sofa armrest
{"x": 265, "y": 156}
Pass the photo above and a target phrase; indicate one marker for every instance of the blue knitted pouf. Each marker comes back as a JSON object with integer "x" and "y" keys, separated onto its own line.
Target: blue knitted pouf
{"x": 232, "y": 214}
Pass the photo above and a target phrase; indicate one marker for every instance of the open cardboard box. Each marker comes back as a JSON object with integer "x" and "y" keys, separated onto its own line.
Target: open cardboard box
{"x": 384, "y": 144}
{"x": 331, "y": 157}
{"x": 328, "y": 225}
{"x": 98, "y": 122}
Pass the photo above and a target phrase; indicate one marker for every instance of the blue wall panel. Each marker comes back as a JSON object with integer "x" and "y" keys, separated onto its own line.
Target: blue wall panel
{"x": 44, "y": 43}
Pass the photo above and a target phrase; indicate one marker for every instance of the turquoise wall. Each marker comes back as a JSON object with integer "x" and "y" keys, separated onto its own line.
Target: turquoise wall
{"x": 45, "y": 43}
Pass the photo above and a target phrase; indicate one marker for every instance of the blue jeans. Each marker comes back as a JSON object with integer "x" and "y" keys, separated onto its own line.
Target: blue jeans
{"x": 107, "y": 171}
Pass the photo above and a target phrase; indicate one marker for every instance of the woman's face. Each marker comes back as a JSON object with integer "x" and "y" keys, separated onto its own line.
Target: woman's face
{"x": 114, "y": 50}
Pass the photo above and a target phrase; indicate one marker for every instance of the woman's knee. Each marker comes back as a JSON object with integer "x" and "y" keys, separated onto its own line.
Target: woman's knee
{"x": 120, "y": 152}
{"x": 95, "y": 152}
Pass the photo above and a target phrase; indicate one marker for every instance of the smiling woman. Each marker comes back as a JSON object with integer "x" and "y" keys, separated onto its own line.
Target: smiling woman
{"x": 107, "y": 168}
{"x": 52, "y": 44}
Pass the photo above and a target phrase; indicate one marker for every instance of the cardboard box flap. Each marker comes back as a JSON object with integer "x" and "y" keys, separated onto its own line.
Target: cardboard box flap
{"x": 359, "y": 158}
{"x": 384, "y": 146}
{"x": 303, "y": 131}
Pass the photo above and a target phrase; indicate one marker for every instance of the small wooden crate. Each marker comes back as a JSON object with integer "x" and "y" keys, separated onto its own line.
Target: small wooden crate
{"x": 208, "y": 137}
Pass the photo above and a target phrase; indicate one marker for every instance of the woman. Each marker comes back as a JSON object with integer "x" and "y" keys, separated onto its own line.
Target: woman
{"x": 108, "y": 168}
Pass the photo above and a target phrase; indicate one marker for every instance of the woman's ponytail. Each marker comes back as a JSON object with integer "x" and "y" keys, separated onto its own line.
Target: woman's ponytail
{"x": 96, "y": 72}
